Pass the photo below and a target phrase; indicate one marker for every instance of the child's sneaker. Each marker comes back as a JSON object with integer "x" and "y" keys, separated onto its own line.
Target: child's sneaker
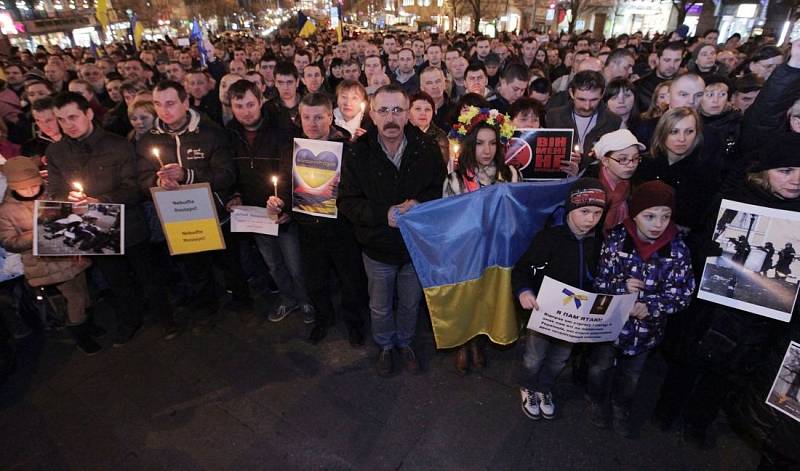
{"x": 546, "y": 405}
{"x": 530, "y": 406}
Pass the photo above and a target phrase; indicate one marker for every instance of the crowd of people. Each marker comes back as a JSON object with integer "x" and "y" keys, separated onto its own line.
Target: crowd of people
{"x": 665, "y": 127}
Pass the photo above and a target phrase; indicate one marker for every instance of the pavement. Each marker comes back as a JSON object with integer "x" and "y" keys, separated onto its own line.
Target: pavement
{"x": 245, "y": 396}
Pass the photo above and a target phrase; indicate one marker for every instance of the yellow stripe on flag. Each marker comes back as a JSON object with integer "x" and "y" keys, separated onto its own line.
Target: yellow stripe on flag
{"x": 461, "y": 311}
{"x": 101, "y": 12}
{"x": 308, "y": 29}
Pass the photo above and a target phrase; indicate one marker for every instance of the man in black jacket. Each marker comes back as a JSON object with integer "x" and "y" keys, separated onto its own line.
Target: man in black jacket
{"x": 326, "y": 244}
{"x": 105, "y": 166}
{"x": 194, "y": 150}
{"x": 256, "y": 146}
{"x": 669, "y": 62}
{"x": 385, "y": 173}
{"x": 585, "y": 113}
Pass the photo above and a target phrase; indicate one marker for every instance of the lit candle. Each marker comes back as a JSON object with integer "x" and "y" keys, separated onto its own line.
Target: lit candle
{"x": 577, "y": 148}
{"x": 275, "y": 184}
{"x": 158, "y": 157}
{"x": 78, "y": 187}
{"x": 363, "y": 106}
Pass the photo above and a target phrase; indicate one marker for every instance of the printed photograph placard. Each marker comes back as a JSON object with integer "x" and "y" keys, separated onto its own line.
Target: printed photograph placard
{"x": 63, "y": 228}
{"x": 758, "y": 269}
{"x": 538, "y": 153}
{"x": 316, "y": 167}
{"x": 785, "y": 392}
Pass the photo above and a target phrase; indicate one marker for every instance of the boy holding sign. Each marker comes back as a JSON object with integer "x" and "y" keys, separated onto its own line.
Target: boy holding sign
{"x": 567, "y": 253}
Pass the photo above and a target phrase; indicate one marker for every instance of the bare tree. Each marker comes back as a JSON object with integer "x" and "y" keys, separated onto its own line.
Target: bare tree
{"x": 476, "y": 10}
{"x": 575, "y": 6}
{"x": 681, "y": 6}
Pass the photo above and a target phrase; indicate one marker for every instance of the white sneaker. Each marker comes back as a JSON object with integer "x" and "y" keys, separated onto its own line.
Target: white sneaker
{"x": 546, "y": 404}
{"x": 530, "y": 406}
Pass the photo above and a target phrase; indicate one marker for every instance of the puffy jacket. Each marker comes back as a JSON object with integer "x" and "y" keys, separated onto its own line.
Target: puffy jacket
{"x": 767, "y": 114}
{"x": 557, "y": 253}
{"x": 255, "y": 164}
{"x": 201, "y": 148}
{"x": 371, "y": 184}
{"x": 668, "y": 285}
{"x": 105, "y": 164}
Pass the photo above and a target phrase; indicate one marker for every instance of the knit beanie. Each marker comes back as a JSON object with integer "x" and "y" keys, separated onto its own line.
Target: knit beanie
{"x": 650, "y": 194}
{"x": 585, "y": 192}
{"x": 21, "y": 173}
{"x": 779, "y": 153}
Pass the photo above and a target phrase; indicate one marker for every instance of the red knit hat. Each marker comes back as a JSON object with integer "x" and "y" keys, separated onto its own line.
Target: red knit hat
{"x": 652, "y": 193}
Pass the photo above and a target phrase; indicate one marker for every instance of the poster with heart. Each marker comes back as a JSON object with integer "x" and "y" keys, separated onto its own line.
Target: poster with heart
{"x": 316, "y": 166}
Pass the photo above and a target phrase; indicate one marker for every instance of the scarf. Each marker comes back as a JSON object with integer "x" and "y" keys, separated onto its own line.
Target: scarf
{"x": 617, "y": 200}
{"x": 485, "y": 176}
{"x": 645, "y": 249}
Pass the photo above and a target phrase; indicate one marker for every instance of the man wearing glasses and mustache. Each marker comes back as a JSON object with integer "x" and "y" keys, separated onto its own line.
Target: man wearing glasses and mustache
{"x": 385, "y": 173}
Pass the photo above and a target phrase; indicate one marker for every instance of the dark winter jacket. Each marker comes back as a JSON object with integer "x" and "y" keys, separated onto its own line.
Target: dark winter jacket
{"x": 256, "y": 163}
{"x": 563, "y": 118}
{"x": 557, "y": 253}
{"x": 105, "y": 164}
{"x": 668, "y": 286}
{"x": 371, "y": 184}
{"x": 201, "y": 148}
{"x": 210, "y": 106}
{"x": 767, "y": 115}
{"x": 645, "y": 87}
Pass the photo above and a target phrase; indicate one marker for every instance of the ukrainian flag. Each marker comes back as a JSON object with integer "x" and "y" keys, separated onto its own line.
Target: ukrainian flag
{"x": 305, "y": 26}
{"x": 464, "y": 248}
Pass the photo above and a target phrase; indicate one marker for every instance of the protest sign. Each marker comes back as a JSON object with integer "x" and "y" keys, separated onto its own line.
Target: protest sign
{"x": 757, "y": 269}
{"x": 538, "y": 153}
{"x": 785, "y": 392}
{"x": 63, "y": 228}
{"x": 189, "y": 218}
{"x": 316, "y": 166}
{"x": 252, "y": 219}
{"x": 578, "y": 316}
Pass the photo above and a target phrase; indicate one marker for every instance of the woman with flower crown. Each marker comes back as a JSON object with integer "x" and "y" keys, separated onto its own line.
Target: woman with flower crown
{"x": 482, "y": 135}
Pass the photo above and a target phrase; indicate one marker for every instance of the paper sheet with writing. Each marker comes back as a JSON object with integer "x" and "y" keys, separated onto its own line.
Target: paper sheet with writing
{"x": 252, "y": 219}
{"x": 578, "y": 316}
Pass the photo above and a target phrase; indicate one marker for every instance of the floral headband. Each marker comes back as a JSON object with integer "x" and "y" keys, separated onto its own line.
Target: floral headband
{"x": 474, "y": 116}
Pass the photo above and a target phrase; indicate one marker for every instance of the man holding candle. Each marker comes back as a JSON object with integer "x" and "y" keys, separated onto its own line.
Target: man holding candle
{"x": 256, "y": 145}
{"x": 385, "y": 173}
{"x": 90, "y": 165}
{"x": 326, "y": 245}
{"x": 194, "y": 149}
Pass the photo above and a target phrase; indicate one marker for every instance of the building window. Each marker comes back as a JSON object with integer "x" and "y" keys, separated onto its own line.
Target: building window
{"x": 408, "y": 3}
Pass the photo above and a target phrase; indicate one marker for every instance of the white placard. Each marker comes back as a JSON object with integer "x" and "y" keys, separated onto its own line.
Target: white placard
{"x": 578, "y": 316}
{"x": 785, "y": 392}
{"x": 253, "y": 219}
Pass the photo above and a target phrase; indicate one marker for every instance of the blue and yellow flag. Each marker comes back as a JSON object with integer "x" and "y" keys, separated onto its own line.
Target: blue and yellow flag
{"x": 305, "y": 26}
{"x": 464, "y": 248}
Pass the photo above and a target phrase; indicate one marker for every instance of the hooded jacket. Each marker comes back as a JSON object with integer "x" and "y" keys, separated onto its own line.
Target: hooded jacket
{"x": 201, "y": 148}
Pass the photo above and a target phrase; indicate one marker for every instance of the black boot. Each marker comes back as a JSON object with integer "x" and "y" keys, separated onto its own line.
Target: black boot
{"x": 83, "y": 339}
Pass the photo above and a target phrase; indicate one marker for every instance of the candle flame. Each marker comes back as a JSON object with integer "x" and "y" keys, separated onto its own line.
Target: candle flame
{"x": 363, "y": 106}
{"x": 77, "y": 186}
{"x": 274, "y": 180}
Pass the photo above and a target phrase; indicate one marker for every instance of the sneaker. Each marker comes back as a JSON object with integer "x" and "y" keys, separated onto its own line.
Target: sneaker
{"x": 546, "y": 404}
{"x": 530, "y": 406}
{"x": 281, "y": 313}
{"x": 308, "y": 313}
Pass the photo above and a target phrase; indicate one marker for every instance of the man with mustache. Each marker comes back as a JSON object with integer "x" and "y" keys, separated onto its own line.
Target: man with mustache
{"x": 385, "y": 173}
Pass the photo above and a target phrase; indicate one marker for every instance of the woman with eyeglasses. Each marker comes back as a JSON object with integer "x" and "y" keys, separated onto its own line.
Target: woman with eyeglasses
{"x": 618, "y": 156}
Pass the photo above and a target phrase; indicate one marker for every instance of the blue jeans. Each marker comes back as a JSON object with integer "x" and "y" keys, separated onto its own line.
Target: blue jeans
{"x": 612, "y": 373}
{"x": 383, "y": 281}
{"x": 282, "y": 256}
{"x": 543, "y": 360}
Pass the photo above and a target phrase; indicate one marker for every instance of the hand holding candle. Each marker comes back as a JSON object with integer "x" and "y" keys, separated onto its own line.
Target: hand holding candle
{"x": 77, "y": 194}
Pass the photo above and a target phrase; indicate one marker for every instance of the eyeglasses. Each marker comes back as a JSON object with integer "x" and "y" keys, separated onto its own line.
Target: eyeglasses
{"x": 625, "y": 161}
{"x": 384, "y": 111}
